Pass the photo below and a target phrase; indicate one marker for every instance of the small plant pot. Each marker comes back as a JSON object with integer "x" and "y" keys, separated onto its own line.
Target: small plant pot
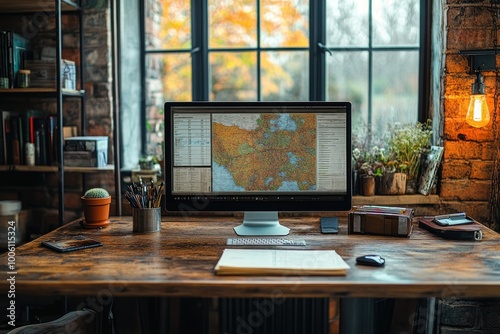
{"x": 368, "y": 185}
{"x": 96, "y": 212}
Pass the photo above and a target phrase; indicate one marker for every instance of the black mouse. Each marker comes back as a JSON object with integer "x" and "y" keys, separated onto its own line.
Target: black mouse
{"x": 371, "y": 260}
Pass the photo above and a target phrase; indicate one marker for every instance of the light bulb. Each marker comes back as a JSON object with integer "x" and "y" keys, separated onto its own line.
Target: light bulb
{"x": 478, "y": 114}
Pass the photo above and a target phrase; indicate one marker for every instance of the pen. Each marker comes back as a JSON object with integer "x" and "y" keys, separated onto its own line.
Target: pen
{"x": 451, "y": 215}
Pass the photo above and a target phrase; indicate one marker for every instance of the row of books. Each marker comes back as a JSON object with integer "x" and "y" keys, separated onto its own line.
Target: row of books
{"x": 13, "y": 51}
{"x": 30, "y": 126}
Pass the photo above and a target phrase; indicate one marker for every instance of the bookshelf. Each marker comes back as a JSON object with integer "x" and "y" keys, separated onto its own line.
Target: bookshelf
{"x": 56, "y": 10}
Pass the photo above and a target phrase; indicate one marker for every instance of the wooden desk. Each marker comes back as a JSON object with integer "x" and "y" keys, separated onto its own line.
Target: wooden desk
{"x": 179, "y": 261}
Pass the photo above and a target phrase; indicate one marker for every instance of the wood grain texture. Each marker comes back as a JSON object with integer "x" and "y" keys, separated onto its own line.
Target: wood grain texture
{"x": 179, "y": 261}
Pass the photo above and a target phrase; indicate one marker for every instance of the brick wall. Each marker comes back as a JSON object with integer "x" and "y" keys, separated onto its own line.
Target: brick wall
{"x": 469, "y": 152}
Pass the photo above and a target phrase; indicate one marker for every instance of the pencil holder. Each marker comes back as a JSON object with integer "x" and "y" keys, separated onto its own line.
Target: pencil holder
{"x": 146, "y": 220}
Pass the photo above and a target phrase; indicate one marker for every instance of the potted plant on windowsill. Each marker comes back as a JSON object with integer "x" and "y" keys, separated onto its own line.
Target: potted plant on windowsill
{"x": 406, "y": 145}
{"x": 96, "y": 203}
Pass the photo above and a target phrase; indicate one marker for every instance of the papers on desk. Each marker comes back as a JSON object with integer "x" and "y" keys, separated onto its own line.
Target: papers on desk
{"x": 280, "y": 262}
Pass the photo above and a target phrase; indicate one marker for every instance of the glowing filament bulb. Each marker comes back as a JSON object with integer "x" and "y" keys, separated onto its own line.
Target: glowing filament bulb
{"x": 478, "y": 114}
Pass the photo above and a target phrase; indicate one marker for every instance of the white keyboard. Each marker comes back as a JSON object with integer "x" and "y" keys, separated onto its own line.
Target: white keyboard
{"x": 253, "y": 241}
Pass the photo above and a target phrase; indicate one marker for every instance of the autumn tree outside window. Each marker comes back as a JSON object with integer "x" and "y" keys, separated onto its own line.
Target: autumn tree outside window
{"x": 367, "y": 52}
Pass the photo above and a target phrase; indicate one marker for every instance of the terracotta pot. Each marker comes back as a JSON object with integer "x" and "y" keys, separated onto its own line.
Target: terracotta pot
{"x": 368, "y": 185}
{"x": 96, "y": 212}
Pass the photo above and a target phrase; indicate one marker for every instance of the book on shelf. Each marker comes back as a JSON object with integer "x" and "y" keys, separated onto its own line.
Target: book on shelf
{"x": 30, "y": 126}
{"x": 14, "y": 51}
{"x": 10, "y": 132}
{"x": 280, "y": 262}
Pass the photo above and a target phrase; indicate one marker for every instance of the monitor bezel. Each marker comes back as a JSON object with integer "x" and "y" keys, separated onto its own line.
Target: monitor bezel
{"x": 237, "y": 203}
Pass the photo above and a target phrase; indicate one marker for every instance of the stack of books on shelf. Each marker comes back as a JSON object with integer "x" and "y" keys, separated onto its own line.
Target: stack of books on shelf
{"x": 14, "y": 50}
{"x": 30, "y": 126}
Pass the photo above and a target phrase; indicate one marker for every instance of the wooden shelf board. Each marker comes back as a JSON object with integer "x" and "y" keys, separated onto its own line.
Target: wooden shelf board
{"x": 20, "y": 6}
{"x": 396, "y": 200}
{"x": 44, "y": 169}
{"x": 35, "y": 90}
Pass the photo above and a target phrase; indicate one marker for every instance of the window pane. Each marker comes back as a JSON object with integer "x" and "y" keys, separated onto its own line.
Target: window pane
{"x": 284, "y": 23}
{"x": 168, "y": 24}
{"x": 175, "y": 75}
{"x": 284, "y": 76}
{"x": 233, "y": 76}
{"x": 396, "y": 22}
{"x": 395, "y": 88}
{"x": 347, "y": 22}
{"x": 347, "y": 80}
{"x": 232, "y": 23}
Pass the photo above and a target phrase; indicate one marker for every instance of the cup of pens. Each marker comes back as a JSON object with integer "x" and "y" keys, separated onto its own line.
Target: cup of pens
{"x": 145, "y": 200}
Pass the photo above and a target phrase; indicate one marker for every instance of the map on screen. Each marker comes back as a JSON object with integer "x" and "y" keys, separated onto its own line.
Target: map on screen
{"x": 264, "y": 152}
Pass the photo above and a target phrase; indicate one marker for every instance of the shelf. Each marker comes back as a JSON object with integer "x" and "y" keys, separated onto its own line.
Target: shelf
{"x": 34, "y": 90}
{"x": 396, "y": 200}
{"x": 44, "y": 169}
{"x": 26, "y": 6}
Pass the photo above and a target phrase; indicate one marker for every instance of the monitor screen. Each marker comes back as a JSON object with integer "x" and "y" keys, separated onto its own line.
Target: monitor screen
{"x": 259, "y": 158}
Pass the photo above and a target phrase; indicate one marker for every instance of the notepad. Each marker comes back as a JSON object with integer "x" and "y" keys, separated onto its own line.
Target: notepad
{"x": 280, "y": 262}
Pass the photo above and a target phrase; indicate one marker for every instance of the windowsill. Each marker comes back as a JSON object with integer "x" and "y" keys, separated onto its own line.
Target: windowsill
{"x": 396, "y": 200}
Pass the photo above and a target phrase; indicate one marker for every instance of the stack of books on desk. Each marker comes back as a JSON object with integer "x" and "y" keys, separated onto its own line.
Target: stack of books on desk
{"x": 280, "y": 262}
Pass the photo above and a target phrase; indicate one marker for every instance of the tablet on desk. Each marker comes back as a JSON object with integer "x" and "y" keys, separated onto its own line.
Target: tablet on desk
{"x": 68, "y": 244}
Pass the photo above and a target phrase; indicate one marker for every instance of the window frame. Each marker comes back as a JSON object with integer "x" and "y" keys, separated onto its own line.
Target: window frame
{"x": 317, "y": 57}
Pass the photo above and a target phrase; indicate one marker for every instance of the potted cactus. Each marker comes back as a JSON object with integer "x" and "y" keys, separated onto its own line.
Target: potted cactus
{"x": 96, "y": 203}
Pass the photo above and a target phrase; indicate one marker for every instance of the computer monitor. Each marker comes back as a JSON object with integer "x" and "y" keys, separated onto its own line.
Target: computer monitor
{"x": 259, "y": 158}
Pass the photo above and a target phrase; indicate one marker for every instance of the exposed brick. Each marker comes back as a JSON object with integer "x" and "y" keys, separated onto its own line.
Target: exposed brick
{"x": 465, "y": 190}
{"x": 456, "y": 169}
{"x": 468, "y": 17}
{"x": 456, "y": 107}
{"x": 102, "y": 89}
{"x": 72, "y": 200}
{"x": 459, "y": 129}
{"x": 481, "y": 170}
{"x": 455, "y": 63}
{"x": 468, "y": 150}
{"x": 464, "y": 39}
{"x": 461, "y": 150}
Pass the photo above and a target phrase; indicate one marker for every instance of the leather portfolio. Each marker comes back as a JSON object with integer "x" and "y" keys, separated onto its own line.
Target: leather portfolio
{"x": 470, "y": 231}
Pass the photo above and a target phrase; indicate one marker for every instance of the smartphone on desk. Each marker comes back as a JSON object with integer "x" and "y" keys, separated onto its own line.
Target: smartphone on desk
{"x": 68, "y": 243}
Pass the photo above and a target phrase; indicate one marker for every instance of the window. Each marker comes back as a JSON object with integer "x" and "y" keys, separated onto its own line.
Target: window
{"x": 368, "y": 52}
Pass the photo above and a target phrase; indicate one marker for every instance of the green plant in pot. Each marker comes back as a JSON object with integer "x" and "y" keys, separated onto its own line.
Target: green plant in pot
{"x": 96, "y": 204}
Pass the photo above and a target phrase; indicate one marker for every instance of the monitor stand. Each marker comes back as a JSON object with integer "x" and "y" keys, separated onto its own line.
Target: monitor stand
{"x": 261, "y": 223}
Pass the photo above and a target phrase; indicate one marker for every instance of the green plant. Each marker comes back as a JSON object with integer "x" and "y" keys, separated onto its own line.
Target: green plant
{"x": 407, "y": 143}
{"x": 370, "y": 162}
{"x": 96, "y": 193}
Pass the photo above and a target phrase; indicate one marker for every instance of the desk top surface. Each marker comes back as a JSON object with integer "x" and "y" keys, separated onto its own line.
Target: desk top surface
{"x": 179, "y": 261}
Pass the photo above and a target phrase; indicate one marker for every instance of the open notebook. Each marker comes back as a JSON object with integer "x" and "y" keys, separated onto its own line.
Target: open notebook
{"x": 280, "y": 262}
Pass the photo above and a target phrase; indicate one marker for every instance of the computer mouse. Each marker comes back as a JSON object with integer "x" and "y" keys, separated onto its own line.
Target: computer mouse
{"x": 371, "y": 260}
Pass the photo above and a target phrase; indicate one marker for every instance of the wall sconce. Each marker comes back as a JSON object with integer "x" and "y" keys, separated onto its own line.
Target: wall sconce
{"x": 478, "y": 114}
